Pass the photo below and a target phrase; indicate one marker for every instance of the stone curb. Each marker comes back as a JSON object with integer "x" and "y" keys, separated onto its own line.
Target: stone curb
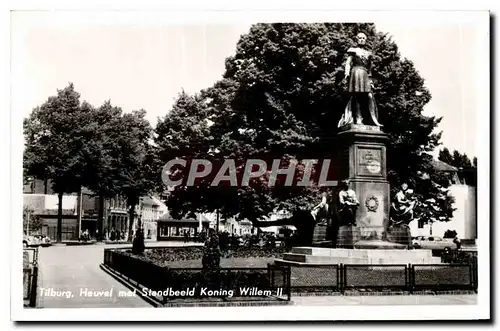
{"x": 129, "y": 285}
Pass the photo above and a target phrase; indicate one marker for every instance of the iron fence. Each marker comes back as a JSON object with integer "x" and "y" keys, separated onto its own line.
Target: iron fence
{"x": 369, "y": 276}
{"x": 30, "y": 276}
{"x": 315, "y": 278}
{"x": 442, "y": 277}
{"x": 310, "y": 278}
{"x": 165, "y": 284}
{"x": 384, "y": 277}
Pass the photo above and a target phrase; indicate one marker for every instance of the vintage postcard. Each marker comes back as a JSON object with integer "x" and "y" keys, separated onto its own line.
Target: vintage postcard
{"x": 228, "y": 166}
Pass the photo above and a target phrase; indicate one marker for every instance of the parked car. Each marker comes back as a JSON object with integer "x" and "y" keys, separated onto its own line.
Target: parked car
{"x": 44, "y": 240}
{"x": 432, "y": 242}
{"x": 30, "y": 241}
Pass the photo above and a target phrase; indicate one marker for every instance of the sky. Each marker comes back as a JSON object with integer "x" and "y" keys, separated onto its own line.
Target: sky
{"x": 146, "y": 66}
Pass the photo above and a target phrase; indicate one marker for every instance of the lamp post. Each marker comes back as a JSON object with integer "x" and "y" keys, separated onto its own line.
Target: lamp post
{"x": 28, "y": 222}
{"x": 30, "y": 180}
{"x": 79, "y": 202}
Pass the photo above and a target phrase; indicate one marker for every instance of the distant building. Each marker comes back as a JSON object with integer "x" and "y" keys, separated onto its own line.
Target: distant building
{"x": 149, "y": 210}
{"x": 233, "y": 226}
{"x": 39, "y": 197}
{"x": 174, "y": 229}
{"x": 464, "y": 220}
{"x": 46, "y": 207}
{"x": 37, "y": 186}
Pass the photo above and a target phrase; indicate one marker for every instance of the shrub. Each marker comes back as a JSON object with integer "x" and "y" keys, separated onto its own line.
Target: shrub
{"x": 450, "y": 234}
{"x": 162, "y": 256}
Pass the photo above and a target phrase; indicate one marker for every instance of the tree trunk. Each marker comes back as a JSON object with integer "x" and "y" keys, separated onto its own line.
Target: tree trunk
{"x": 100, "y": 218}
{"x": 218, "y": 219}
{"x": 79, "y": 213}
{"x": 131, "y": 214}
{"x": 59, "y": 217}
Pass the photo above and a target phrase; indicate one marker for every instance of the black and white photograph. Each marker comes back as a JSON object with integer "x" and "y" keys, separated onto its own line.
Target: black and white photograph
{"x": 288, "y": 166}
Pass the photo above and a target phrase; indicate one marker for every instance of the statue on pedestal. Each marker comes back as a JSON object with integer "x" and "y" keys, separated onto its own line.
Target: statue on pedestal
{"x": 403, "y": 205}
{"x": 321, "y": 212}
{"x": 348, "y": 204}
{"x": 401, "y": 215}
{"x": 359, "y": 86}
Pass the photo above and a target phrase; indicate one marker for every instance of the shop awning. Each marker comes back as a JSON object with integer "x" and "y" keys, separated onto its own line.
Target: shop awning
{"x": 172, "y": 221}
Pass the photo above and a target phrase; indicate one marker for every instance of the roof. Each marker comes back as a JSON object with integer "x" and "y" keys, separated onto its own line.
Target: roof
{"x": 443, "y": 166}
{"x": 166, "y": 217}
{"x": 182, "y": 221}
{"x": 146, "y": 200}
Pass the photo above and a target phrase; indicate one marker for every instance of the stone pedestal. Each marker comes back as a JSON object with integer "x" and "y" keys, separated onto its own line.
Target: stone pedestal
{"x": 363, "y": 162}
{"x": 319, "y": 235}
{"x": 399, "y": 234}
{"x": 347, "y": 236}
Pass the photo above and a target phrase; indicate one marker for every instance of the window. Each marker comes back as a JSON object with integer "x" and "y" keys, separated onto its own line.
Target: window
{"x": 420, "y": 224}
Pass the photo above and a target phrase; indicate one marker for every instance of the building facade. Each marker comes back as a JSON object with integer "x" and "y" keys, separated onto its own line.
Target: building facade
{"x": 149, "y": 211}
{"x": 177, "y": 229}
{"x": 45, "y": 206}
{"x": 464, "y": 220}
{"x": 80, "y": 212}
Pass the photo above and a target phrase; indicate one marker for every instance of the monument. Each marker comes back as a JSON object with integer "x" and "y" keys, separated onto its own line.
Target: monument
{"x": 362, "y": 156}
{"x": 363, "y": 228}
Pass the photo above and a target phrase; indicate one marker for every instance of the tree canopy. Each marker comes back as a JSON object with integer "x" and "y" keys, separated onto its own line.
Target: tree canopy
{"x": 467, "y": 169}
{"x": 55, "y": 141}
{"x": 281, "y": 96}
{"x": 101, "y": 148}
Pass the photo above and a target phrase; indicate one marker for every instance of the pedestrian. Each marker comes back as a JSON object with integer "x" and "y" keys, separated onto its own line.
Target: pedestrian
{"x": 211, "y": 252}
{"x": 457, "y": 242}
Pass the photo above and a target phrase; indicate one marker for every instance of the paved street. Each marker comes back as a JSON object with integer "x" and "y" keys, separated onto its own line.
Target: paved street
{"x": 76, "y": 269}
{"x": 66, "y": 272}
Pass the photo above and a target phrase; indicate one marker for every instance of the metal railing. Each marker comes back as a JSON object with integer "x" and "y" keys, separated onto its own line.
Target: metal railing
{"x": 30, "y": 276}
{"x": 306, "y": 278}
{"x": 384, "y": 277}
{"x": 166, "y": 283}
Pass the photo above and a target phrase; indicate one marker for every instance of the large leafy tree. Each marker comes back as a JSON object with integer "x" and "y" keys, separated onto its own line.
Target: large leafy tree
{"x": 282, "y": 95}
{"x": 445, "y": 156}
{"x": 135, "y": 175}
{"x": 55, "y": 141}
{"x": 467, "y": 169}
{"x": 118, "y": 157}
{"x": 102, "y": 154}
{"x": 184, "y": 133}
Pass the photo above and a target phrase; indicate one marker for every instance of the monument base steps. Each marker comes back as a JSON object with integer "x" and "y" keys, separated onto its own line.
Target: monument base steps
{"x": 330, "y": 256}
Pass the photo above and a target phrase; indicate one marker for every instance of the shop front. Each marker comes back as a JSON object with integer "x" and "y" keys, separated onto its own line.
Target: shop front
{"x": 172, "y": 229}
